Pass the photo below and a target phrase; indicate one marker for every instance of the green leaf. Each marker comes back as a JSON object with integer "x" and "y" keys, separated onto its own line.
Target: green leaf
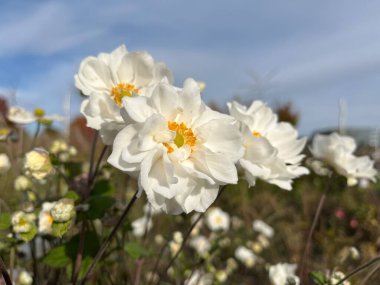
{"x": 29, "y": 235}
{"x": 135, "y": 250}
{"x": 73, "y": 168}
{"x": 59, "y": 229}
{"x": 102, "y": 188}
{"x": 99, "y": 206}
{"x": 5, "y": 221}
{"x": 72, "y": 195}
{"x": 57, "y": 257}
{"x": 318, "y": 278}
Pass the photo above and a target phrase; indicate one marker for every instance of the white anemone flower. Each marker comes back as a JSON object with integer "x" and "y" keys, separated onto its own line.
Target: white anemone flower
{"x": 338, "y": 152}
{"x": 263, "y": 228}
{"x": 201, "y": 245}
{"x": 282, "y": 273}
{"x": 141, "y": 225}
{"x": 180, "y": 149}
{"x": 19, "y": 115}
{"x": 217, "y": 220}
{"x": 109, "y": 77}
{"x": 245, "y": 256}
{"x": 272, "y": 150}
{"x": 45, "y": 219}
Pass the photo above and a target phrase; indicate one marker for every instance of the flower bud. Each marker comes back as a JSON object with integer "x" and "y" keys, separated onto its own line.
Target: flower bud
{"x": 63, "y": 211}
{"x": 38, "y": 164}
{"x": 22, "y": 183}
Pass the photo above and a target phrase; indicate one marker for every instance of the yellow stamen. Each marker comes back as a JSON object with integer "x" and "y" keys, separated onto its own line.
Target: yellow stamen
{"x": 122, "y": 90}
{"x": 184, "y": 135}
{"x": 256, "y": 134}
{"x": 50, "y": 219}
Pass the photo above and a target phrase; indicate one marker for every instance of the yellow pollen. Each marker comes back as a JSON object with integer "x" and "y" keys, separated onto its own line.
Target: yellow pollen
{"x": 122, "y": 90}
{"x": 184, "y": 135}
{"x": 256, "y": 134}
{"x": 22, "y": 222}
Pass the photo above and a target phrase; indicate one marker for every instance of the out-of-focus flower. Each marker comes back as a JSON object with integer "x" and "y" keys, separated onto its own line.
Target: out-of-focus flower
{"x": 23, "y": 222}
{"x": 24, "y": 278}
{"x": 159, "y": 239}
{"x": 272, "y": 150}
{"x": 337, "y": 151}
{"x": 280, "y": 273}
{"x": 201, "y": 245}
{"x": 263, "y": 228}
{"x": 263, "y": 240}
{"x": 217, "y": 219}
{"x": 63, "y": 210}
{"x": 336, "y": 276}
{"x": 109, "y": 77}
{"x": 199, "y": 278}
{"x": 45, "y": 219}
{"x": 354, "y": 223}
{"x": 231, "y": 265}
{"x": 340, "y": 214}
{"x": 5, "y": 163}
{"x": 245, "y": 256}
{"x": 38, "y": 164}
{"x": 363, "y": 183}
{"x": 58, "y": 146}
{"x": 22, "y": 183}
{"x": 19, "y": 115}
{"x": 180, "y": 149}
{"x": 221, "y": 276}
{"x": 141, "y": 225}
{"x": 178, "y": 237}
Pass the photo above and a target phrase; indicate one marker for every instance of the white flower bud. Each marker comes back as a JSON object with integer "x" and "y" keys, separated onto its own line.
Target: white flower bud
{"x": 37, "y": 163}
{"x": 63, "y": 211}
{"x": 5, "y": 163}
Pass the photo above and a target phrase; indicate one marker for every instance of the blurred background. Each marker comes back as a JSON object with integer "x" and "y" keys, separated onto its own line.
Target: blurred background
{"x": 320, "y": 57}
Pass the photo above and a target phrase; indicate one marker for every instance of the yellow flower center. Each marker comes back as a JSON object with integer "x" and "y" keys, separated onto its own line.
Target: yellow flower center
{"x": 23, "y": 222}
{"x": 184, "y": 135}
{"x": 256, "y": 134}
{"x": 50, "y": 219}
{"x": 122, "y": 90}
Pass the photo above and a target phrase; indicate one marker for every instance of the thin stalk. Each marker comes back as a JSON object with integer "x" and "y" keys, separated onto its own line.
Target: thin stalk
{"x": 155, "y": 268}
{"x": 107, "y": 242}
{"x": 4, "y": 272}
{"x": 304, "y": 265}
{"x": 359, "y": 269}
{"x": 95, "y": 173}
{"x": 92, "y": 157}
{"x": 368, "y": 276}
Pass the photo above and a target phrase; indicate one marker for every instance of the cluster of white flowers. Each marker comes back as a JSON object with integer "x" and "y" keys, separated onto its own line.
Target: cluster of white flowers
{"x": 62, "y": 150}
{"x": 179, "y": 149}
{"x": 142, "y": 225}
{"x": 20, "y": 116}
{"x": 245, "y": 256}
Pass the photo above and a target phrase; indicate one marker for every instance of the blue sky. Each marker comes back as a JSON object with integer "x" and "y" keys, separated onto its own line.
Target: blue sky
{"x": 312, "y": 53}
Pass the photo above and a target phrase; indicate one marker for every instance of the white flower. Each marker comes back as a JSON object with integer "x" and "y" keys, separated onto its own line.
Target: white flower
{"x": 337, "y": 151}
{"x": 263, "y": 228}
{"x": 246, "y": 256}
{"x": 272, "y": 150}
{"x": 178, "y": 237}
{"x": 217, "y": 219}
{"x": 45, "y": 219}
{"x": 181, "y": 150}
{"x": 22, "y": 222}
{"x": 280, "y": 273}
{"x": 141, "y": 225}
{"x": 201, "y": 245}
{"x": 58, "y": 146}
{"x": 22, "y": 183}
{"x": 37, "y": 163}
{"x": 19, "y": 115}
{"x": 199, "y": 278}
{"x": 107, "y": 78}
{"x": 24, "y": 278}
{"x": 221, "y": 276}
{"x": 63, "y": 210}
{"x": 5, "y": 163}
{"x": 337, "y": 276}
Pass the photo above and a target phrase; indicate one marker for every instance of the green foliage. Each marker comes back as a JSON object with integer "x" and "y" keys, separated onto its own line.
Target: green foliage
{"x": 59, "y": 229}
{"x": 318, "y": 278}
{"x": 5, "y": 221}
{"x": 72, "y": 195}
{"x": 100, "y": 200}
{"x": 135, "y": 250}
{"x": 29, "y": 235}
{"x": 73, "y": 168}
{"x": 57, "y": 257}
